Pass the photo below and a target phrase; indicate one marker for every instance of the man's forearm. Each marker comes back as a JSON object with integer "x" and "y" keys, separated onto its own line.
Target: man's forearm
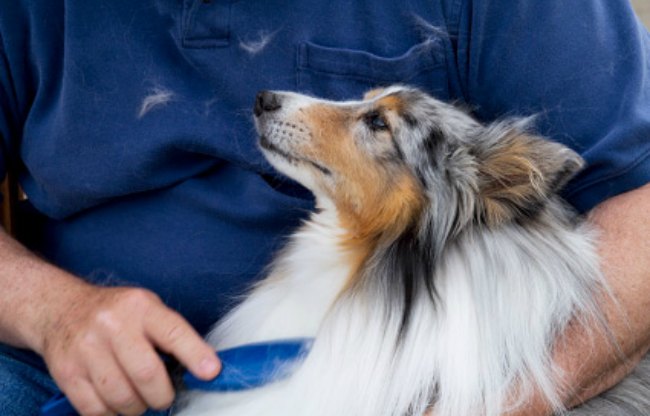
{"x": 624, "y": 249}
{"x": 28, "y": 284}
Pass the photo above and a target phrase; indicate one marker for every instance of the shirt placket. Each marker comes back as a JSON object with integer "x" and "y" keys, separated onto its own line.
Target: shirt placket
{"x": 206, "y": 23}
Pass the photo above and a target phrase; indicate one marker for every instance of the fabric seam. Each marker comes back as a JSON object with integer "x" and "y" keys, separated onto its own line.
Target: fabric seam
{"x": 612, "y": 175}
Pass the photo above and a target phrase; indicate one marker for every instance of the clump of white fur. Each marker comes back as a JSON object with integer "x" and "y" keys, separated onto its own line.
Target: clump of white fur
{"x": 255, "y": 46}
{"x": 157, "y": 97}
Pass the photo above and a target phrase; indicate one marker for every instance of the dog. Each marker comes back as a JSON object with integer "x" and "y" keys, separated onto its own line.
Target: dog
{"x": 436, "y": 273}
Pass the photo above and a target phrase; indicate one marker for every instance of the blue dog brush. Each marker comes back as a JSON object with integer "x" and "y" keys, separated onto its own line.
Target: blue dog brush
{"x": 242, "y": 368}
{"x": 252, "y": 365}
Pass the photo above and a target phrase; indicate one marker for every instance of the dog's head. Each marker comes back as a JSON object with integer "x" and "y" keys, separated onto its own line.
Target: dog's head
{"x": 398, "y": 153}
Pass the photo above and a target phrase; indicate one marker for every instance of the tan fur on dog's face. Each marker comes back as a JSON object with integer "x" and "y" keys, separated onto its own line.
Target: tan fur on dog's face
{"x": 369, "y": 190}
{"x": 346, "y": 153}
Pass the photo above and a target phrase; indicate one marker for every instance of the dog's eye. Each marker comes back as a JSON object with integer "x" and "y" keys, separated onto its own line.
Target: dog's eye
{"x": 376, "y": 121}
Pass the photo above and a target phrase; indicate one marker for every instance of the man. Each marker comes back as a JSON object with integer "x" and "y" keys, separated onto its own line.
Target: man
{"x": 128, "y": 126}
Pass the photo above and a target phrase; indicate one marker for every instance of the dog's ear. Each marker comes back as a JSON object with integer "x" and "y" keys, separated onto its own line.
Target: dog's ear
{"x": 519, "y": 172}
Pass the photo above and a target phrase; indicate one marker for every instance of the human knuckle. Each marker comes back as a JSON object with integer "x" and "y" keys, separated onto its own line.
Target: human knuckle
{"x": 125, "y": 400}
{"x": 89, "y": 341}
{"x": 66, "y": 372}
{"x": 146, "y": 372}
{"x": 176, "y": 333}
{"x": 137, "y": 297}
{"x": 108, "y": 320}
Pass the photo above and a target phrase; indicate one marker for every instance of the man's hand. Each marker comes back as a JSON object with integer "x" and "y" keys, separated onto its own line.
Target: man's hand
{"x": 591, "y": 363}
{"x": 99, "y": 344}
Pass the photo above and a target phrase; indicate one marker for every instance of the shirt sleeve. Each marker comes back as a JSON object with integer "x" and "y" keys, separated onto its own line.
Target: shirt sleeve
{"x": 582, "y": 66}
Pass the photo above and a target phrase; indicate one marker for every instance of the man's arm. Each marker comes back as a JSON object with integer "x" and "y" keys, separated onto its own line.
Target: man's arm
{"x": 591, "y": 363}
{"x": 624, "y": 249}
{"x": 99, "y": 343}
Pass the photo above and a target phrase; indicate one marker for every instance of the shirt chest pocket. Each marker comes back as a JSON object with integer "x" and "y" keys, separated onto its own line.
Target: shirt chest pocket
{"x": 338, "y": 73}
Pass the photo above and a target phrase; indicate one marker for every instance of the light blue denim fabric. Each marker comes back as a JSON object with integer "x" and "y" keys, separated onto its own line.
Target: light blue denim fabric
{"x": 25, "y": 384}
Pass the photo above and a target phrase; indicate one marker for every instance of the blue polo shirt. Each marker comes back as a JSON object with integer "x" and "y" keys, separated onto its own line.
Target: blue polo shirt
{"x": 128, "y": 123}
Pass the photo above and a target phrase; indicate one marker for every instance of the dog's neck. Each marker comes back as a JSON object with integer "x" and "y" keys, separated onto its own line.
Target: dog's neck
{"x": 304, "y": 281}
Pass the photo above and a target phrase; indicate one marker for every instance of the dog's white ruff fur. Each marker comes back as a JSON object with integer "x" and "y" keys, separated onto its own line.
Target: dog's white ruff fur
{"x": 504, "y": 294}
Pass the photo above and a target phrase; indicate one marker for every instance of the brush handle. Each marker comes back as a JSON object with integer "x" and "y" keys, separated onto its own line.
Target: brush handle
{"x": 253, "y": 365}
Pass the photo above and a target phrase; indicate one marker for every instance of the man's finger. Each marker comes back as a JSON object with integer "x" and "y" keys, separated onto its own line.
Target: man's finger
{"x": 85, "y": 399}
{"x": 112, "y": 384}
{"x": 172, "y": 334}
{"x": 145, "y": 369}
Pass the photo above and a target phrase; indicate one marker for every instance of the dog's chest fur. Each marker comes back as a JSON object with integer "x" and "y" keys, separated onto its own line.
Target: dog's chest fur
{"x": 502, "y": 295}
{"x": 302, "y": 285}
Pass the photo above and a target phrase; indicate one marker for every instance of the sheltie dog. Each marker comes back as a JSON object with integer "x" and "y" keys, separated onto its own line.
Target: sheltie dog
{"x": 435, "y": 275}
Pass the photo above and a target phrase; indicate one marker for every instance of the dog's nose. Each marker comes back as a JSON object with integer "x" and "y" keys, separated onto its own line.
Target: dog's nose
{"x": 266, "y": 101}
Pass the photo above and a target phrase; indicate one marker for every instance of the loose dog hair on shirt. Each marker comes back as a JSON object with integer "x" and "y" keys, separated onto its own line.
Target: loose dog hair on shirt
{"x": 436, "y": 274}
